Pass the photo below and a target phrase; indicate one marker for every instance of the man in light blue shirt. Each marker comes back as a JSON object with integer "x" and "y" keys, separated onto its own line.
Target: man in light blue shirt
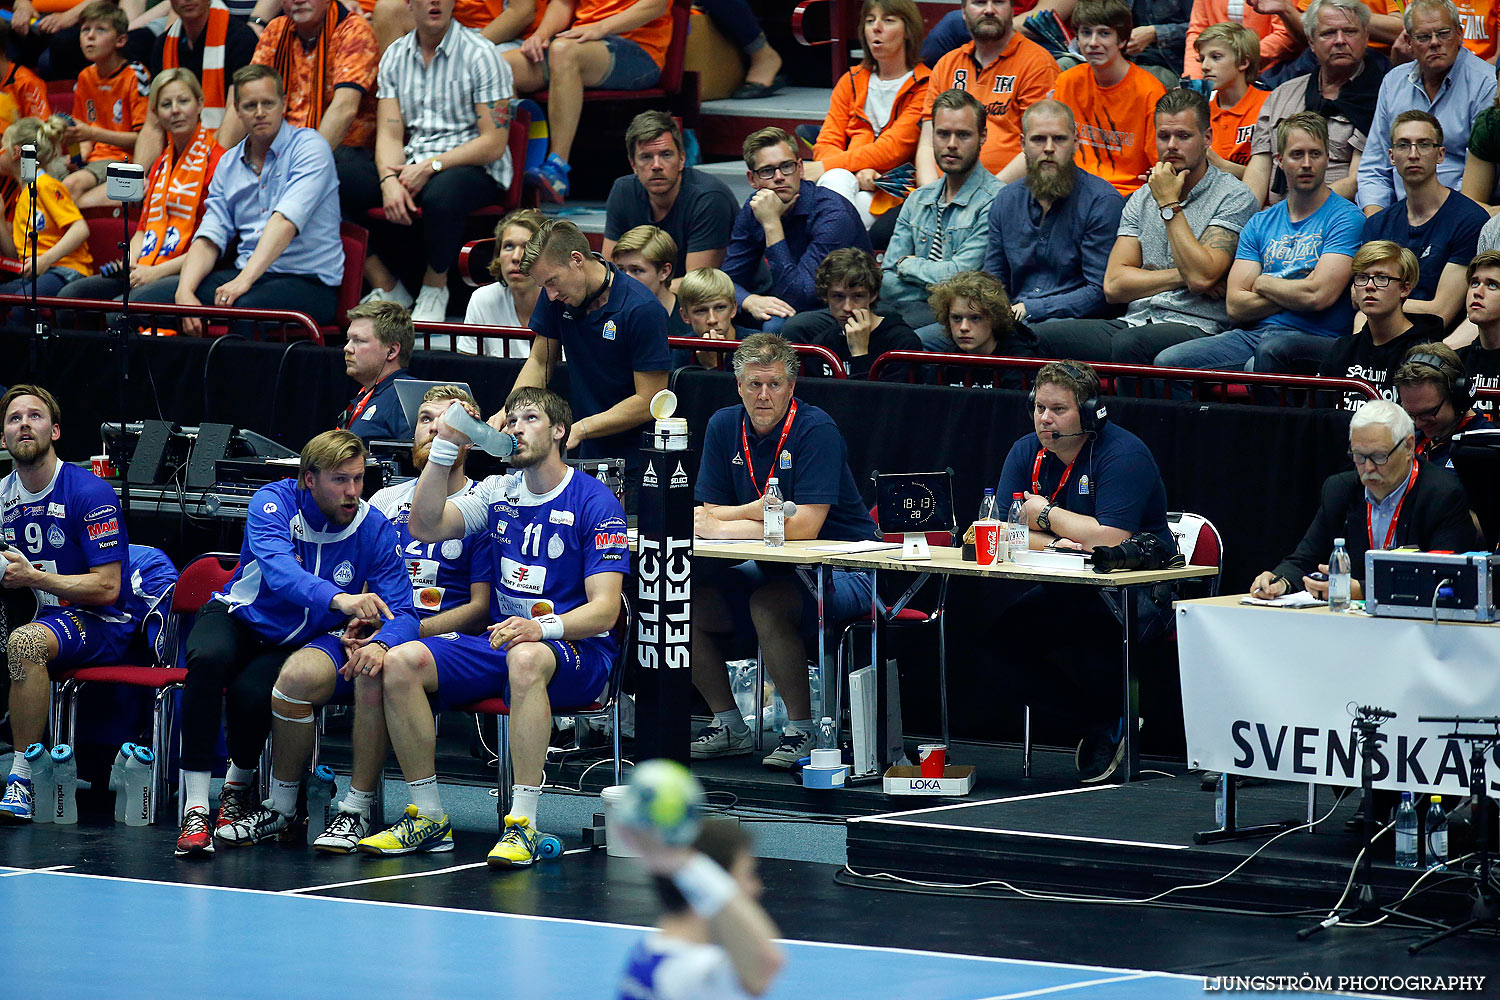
{"x": 277, "y": 193}
{"x": 1445, "y": 79}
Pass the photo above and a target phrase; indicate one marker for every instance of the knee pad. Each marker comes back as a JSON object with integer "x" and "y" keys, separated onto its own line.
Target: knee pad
{"x": 290, "y": 709}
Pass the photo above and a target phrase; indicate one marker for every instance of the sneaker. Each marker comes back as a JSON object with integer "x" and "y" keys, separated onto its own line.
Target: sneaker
{"x": 16, "y": 806}
{"x": 551, "y": 177}
{"x": 431, "y": 305}
{"x": 518, "y": 846}
{"x": 793, "y": 747}
{"x": 721, "y": 741}
{"x": 411, "y": 833}
{"x": 262, "y": 824}
{"x": 398, "y": 295}
{"x": 344, "y": 833}
{"x": 1100, "y": 752}
{"x": 196, "y": 839}
{"x": 235, "y": 803}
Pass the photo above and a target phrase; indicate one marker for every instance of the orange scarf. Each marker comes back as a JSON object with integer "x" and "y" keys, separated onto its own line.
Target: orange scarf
{"x": 177, "y": 192}
{"x": 281, "y": 62}
{"x": 215, "y": 92}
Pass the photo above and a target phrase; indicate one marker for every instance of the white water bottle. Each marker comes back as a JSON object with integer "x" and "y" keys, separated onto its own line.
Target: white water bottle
{"x": 43, "y": 789}
{"x": 1406, "y": 833}
{"x": 65, "y": 777}
{"x": 135, "y": 786}
{"x": 827, "y": 734}
{"x": 320, "y": 792}
{"x": 1338, "y": 577}
{"x": 1018, "y": 527}
{"x": 773, "y": 520}
{"x": 486, "y": 438}
{"x": 117, "y": 778}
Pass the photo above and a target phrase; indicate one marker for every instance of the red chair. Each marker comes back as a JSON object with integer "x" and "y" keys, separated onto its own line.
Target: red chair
{"x": 60, "y": 96}
{"x": 608, "y": 706}
{"x": 356, "y": 240}
{"x": 202, "y": 577}
{"x": 106, "y": 233}
{"x": 668, "y": 86}
{"x": 474, "y": 259}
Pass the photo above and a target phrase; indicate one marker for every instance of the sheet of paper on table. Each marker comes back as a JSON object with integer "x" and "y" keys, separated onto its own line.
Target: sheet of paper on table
{"x": 852, "y": 547}
{"x": 1300, "y": 599}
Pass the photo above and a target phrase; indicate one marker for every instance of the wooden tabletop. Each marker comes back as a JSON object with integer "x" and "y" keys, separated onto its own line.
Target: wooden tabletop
{"x": 802, "y": 553}
{"x": 950, "y": 562}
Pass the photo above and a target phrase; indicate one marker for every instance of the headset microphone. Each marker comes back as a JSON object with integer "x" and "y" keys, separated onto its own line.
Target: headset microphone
{"x": 1058, "y": 435}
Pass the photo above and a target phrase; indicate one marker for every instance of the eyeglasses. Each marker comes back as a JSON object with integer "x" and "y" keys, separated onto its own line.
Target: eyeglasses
{"x": 1421, "y": 145}
{"x": 1427, "y": 415}
{"x": 1428, "y": 37}
{"x": 1378, "y": 458}
{"x": 1378, "y": 280}
{"x": 785, "y": 169}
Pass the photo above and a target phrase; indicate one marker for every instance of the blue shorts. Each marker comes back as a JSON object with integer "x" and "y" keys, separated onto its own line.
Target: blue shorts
{"x": 84, "y": 639}
{"x": 846, "y": 594}
{"x": 343, "y": 687}
{"x": 468, "y": 670}
{"x": 630, "y": 67}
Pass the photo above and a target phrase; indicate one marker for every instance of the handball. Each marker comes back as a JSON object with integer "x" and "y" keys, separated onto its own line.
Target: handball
{"x": 662, "y": 796}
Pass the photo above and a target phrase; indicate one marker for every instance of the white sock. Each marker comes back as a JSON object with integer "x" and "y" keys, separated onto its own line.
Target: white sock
{"x": 803, "y": 726}
{"x": 20, "y": 767}
{"x": 195, "y": 790}
{"x": 284, "y": 796}
{"x": 424, "y": 795}
{"x": 239, "y": 776}
{"x": 730, "y": 720}
{"x": 524, "y": 800}
{"x": 358, "y": 802}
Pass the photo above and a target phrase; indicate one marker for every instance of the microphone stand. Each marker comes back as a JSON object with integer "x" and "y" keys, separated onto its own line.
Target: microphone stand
{"x": 39, "y": 329}
{"x": 122, "y": 334}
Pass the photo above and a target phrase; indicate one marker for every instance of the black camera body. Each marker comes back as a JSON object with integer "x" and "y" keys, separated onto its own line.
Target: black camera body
{"x": 1141, "y": 550}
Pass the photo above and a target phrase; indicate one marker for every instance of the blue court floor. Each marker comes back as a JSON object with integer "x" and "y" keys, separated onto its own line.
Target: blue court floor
{"x": 90, "y": 936}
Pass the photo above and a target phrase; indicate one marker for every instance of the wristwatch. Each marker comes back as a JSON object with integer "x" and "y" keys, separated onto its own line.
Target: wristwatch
{"x": 1170, "y": 209}
{"x": 1044, "y": 519}
{"x": 437, "y": 166}
{"x": 259, "y": 22}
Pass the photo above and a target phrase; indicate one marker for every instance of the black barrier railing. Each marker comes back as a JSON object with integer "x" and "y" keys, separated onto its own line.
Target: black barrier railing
{"x": 149, "y": 314}
{"x": 427, "y": 331}
{"x": 1141, "y": 374}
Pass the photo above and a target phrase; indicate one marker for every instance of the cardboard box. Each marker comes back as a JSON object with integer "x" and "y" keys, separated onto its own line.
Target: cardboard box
{"x": 956, "y": 780}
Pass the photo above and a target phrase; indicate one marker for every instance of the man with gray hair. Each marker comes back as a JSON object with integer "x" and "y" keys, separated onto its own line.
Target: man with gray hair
{"x": 1390, "y": 499}
{"x": 1445, "y": 79}
{"x": 1051, "y": 235}
{"x": 772, "y": 434}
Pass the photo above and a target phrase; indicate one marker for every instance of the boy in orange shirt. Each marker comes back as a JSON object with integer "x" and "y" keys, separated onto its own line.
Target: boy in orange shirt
{"x": 1112, "y": 99}
{"x": 22, "y": 92}
{"x": 1230, "y": 54}
{"x": 109, "y": 102}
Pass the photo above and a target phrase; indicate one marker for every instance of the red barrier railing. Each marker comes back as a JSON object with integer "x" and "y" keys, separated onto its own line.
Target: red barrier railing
{"x": 823, "y": 354}
{"x": 217, "y": 318}
{"x": 1199, "y": 377}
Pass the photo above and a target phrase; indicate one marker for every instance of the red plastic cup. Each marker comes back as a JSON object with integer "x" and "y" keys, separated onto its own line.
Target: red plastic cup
{"x": 987, "y": 542}
{"x": 933, "y": 758}
{"x": 101, "y": 466}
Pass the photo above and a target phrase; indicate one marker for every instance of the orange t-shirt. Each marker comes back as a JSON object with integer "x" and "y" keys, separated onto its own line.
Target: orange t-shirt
{"x": 22, "y": 95}
{"x": 117, "y": 103}
{"x": 1022, "y": 75}
{"x": 55, "y": 213}
{"x": 1116, "y": 125}
{"x": 352, "y": 59}
{"x": 654, "y": 36}
{"x": 1481, "y": 22}
{"x": 1234, "y": 126}
{"x": 476, "y": 14}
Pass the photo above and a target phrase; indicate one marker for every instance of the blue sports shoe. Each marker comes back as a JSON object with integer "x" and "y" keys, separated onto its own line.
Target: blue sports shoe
{"x": 551, "y": 177}
{"x": 16, "y": 807}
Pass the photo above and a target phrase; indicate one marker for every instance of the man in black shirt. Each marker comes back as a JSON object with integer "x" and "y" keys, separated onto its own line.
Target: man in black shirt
{"x": 696, "y": 209}
{"x": 1481, "y": 359}
{"x": 975, "y": 312}
{"x": 1384, "y": 275}
{"x": 849, "y": 281}
{"x": 1434, "y": 390}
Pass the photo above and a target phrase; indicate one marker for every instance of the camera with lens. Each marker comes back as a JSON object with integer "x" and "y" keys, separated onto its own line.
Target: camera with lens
{"x": 1141, "y": 550}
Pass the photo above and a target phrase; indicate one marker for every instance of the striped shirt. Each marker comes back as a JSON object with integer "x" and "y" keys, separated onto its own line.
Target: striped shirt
{"x": 437, "y": 99}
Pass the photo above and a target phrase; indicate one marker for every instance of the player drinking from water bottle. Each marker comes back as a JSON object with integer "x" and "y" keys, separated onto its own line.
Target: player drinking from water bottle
{"x": 556, "y": 563}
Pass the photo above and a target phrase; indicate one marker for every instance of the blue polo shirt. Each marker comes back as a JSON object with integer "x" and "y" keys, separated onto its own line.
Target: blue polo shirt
{"x": 1114, "y": 480}
{"x": 605, "y": 348}
{"x": 811, "y": 467}
{"x": 381, "y": 418}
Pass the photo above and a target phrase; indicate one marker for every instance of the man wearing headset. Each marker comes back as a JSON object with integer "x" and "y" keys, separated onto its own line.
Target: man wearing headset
{"x": 1085, "y": 483}
{"x": 1434, "y": 390}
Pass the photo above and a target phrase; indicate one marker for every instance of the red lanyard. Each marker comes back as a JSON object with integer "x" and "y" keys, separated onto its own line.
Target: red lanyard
{"x": 354, "y": 409}
{"x": 1427, "y": 444}
{"x": 786, "y": 428}
{"x": 1036, "y": 471}
{"x": 1390, "y": 532}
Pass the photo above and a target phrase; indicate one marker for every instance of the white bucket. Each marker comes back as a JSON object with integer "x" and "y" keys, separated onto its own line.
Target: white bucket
{"x": 614, "y": 846}
{"x": 671, "y": 434}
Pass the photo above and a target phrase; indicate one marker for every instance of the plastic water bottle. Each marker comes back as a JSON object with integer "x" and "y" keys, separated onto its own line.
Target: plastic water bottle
{"x": 773, "y": 527}
{"x": 814, "y": 691}
{"x": 65, "y": 776}
{"x": 742, "y": 684}
{"x": 135, "y": 787}
{"x": 987, "y": 509}
{"x": 485, "y": 438}
{"x": 117, "y": 778}
{"x": 1406, "y": 833}
{"x": 1338, "y": 577}
{"x": 44, "y": 789}
{"x": 1017, "y": 526}
{"x": 1437, "y": 834}
{"x": 320, "y": 792}
{"x": 827, "y": 734}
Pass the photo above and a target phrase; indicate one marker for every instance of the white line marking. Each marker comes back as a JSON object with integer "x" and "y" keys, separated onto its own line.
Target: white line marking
{"x": 1043, "y": 836}
{"x": 1069, "y": 986}
{"x": 982, "y": 802}
{"x": 33, "y": 871}
{"x": 383, "y": 878}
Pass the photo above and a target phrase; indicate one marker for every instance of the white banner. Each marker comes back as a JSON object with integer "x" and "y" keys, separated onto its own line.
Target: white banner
{"x": 1270, "y": 692}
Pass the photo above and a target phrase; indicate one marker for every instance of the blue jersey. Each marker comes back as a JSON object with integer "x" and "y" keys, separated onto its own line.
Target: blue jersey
{"x": 667, "y": 968}
{"x": 541, "y": 549}
{"x": 440, "y": 571}
{"x": 294, "y": 562}
{"x": 68, "y": 528}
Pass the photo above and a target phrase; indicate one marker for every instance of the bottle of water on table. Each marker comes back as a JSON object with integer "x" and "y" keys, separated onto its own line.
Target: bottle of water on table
{"x": 773, "y": 521}
{"x": 1338, "y": 577}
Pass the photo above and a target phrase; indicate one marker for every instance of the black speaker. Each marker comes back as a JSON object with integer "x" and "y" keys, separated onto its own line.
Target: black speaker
{"x": 148, "y": 463}
{"x": 212, "y": 445}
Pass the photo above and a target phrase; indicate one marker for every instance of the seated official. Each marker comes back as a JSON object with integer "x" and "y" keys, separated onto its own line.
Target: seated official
{"x": 376, "y": 352}
{"x": 705, "y": 306}
{"x": 1390, "y": 499}
{"x": 1086, "y": 483}
{"x": 68, "y": 546}
{"x": 852, "y": 327}
{"x": 1384, "y": 275}
{"x": 771, "y": 434}
{"x": 1435, "y": 392}
{"x": 975, "y": 317}
{"x": 1481, "y": 357}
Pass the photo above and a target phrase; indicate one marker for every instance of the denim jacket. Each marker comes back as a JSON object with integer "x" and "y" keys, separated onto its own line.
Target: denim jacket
{"x": 966, "y": 233}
